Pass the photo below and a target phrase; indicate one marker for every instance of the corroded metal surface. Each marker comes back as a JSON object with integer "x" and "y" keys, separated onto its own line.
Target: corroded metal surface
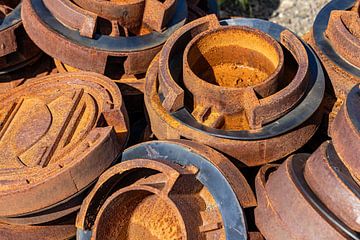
{"x": 16, "y": 49}
{"x": 118, "y": 39}
{"x": 336, "y": 40}
{"x": 58, "y": 133}
{"x": 289, "y": 209}
{"x": 52, "y": 232}
{"x": 152, "y": 194}
{"x": 331, "y": 181}
{"x": 130, "y": 85}
{"x": 235, "y": 92}
{"x": 316, "y": 196}
{"x": 345, "y": 132}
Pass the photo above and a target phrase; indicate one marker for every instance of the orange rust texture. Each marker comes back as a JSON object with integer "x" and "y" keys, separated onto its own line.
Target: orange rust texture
{"x": 58, "y": 133}
{"x": 221, "y": 103}
{"x": 173, "y": 202}
{"x": 343, "y": 33}
{"x": 331, "y": 174}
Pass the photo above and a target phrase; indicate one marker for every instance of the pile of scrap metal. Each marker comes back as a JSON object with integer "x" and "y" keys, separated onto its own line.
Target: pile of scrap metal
{"x": 148, "y": 119}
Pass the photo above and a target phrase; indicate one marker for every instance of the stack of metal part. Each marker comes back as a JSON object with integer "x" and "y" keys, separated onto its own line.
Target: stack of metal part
{"x": 148, "y": 119}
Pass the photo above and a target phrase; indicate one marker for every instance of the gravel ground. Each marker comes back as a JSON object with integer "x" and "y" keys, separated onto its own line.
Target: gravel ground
{"x": 297, "y": 15}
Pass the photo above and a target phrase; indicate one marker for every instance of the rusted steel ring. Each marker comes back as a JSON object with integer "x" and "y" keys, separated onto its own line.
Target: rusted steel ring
{"x": 319, "y": 33}
{"x": 299, "y": 101}
{"x": 57, "y": 211}
{"x": 213, "y": 171}
{"x": 345, "y": 132}
{"x": 13, "y": 38}
{"x": 53, "y": 158}
{"x": 288, "y": 180}
{"x": 53, "y": 231}
{"x": 38, "y": 20}
{"x": 332, "y": 183}
{"x": 309, "y": 105}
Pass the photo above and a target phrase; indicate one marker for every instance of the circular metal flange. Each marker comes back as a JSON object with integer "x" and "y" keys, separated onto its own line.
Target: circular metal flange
{"x": 345, "y": 132}
{"x": 170, "y": 119}
{"x": 94, "y": 54}
{"x": 323, "y": 43}
{"x": 58, "y": 133}
{"x": 16, "y": 49}
{"x": 60, "y": 230}
{"x": 335, "y": 39}
{"x": 169, "y": 169}
{"x": 295, "y": 211}
{"x": 332, "y": 183}
{"x": 52, "y": 213}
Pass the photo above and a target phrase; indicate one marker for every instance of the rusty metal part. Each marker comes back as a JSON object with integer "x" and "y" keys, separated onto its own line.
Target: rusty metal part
{"x": 16, "y": 49}
{"x": 288, "y": 209}
{"x": 61, "y": 229}
{"x": 121, "y": 47}
{"x": 345, "y": 133}
{"x": 52, "y": 232}
{"x": 130, "y": 85}
{"x": 58, "y": 134}
{"x": 166, "y": 190}
{"x": 332, "y": 183}
{"x": 228, "y": 109}
{"x": 41, "y": 67}
{"x": 51, "y": 213}
{"x": 336, "y": 39}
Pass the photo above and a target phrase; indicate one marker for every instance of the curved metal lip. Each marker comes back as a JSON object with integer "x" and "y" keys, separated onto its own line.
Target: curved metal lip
{"x": 296, "y": 173}
{"x": 13, "y": 18}
{"x": 107, "y": 43}
{"x": 229, "y": 206}
{"x": 319, "y": 28}
{"x": 352, "y": 105}
{"x": 341, "y": 171}
{"x": 288, "y": 122}
{"x": 73, "y": 199}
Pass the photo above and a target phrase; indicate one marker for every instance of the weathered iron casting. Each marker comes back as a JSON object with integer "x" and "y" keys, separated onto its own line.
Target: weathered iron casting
{"x": 167, "y": 190}
{"x": 336, "y": 39}
{"x": 242, "y": 86}
{"x": 16, "y": 49}
{"x": 345, "y": 133}
{"x": 115, "y": 38}
{"x": 315, "y": 196}
{"x": 57, "y": 135}
{"x": 54, "y": 231}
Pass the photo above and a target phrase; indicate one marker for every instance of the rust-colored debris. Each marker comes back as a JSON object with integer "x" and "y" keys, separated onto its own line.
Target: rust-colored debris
{"x": 57, "y": 135}
{"x": 241, "y": 83}
{"x": 154, "y": 195}
{"x": 315, "y": 196}
{"x": 337, "y": 43}
{"x": 115, "y": 38}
